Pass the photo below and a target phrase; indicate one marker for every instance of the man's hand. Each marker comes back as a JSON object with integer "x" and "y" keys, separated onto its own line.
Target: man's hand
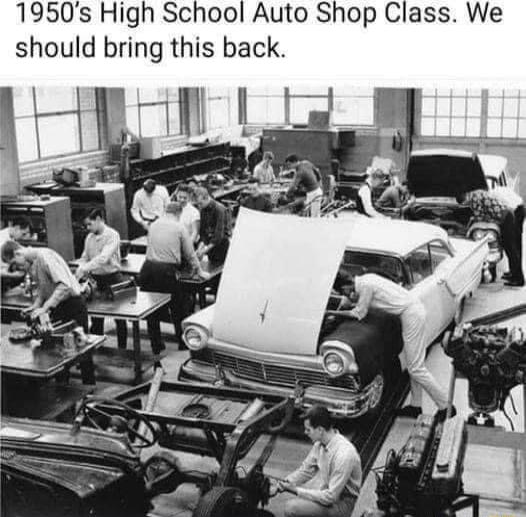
{"x": 146, "y": 225}
{"x": 28, "y": 310}
{"x": 285, "y": 486}
{"x": 201, "y": 273}
{"x": 36, "y": 313}
{"x": 344, "y": 313}
{"x": 201, "y": 251}
{"x": 80, "y": 273}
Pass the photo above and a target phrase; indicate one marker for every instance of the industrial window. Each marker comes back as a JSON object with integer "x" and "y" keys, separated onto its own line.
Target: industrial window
{"x": 272, "y": 105}
{"x": 451, "y": 113}
{"x": 221, "y": 107}
{"x": 506, "y": 114}
{"x": 353, "y": 106}
{"x": 153, "y": 111}
{"x": 302, "y": 100}
{"x": 57, "y": 121}
{"x": 265, "y": 105}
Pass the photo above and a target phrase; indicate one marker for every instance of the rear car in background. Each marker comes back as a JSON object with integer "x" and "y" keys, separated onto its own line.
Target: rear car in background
{"x": 436, "y": 176}
{"x": 269, "y": 330}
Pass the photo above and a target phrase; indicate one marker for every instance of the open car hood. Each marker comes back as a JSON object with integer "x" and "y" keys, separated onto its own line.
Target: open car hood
{"x": 444, "y": 173}
{"x": 277, "y": 280}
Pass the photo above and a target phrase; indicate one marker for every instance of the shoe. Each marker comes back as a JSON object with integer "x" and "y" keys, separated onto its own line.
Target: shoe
{"x": 514, "y": 283}
{"x": 507, "y": 275}
{"x": 409, "y": 411}
{"x": 441, "y": 414}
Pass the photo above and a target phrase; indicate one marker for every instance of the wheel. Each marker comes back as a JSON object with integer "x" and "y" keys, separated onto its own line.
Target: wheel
{"x": 223, "y": 502}
{"x": 386, "y": 383}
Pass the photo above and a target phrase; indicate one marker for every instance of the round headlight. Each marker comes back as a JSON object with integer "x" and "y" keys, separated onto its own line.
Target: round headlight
{"x": 333, "y": 363}
{"x": 195, "y": 338}
{"x": 478, "y": 235}
{"x": 492, "y": 236}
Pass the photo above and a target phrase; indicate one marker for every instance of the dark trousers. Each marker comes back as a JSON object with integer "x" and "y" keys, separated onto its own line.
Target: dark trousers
{"x": 217, "y": 254}
{"x": 508, "y": 231}
{"x": 519, "y": 214}
{"x": 97, "y": 324}
{"x": 162, "y": 277}
{"x": 73, "y": 308}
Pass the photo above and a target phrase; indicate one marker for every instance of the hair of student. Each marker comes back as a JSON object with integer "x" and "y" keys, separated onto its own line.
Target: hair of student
{"x": 268, "y": 155}
{"x": 8, "y": 251}
{"x": 317, "y": 416}
{"x": 96, "y": 212}
{"x": 292, "y": 158}
{"x": 201, "y": 192}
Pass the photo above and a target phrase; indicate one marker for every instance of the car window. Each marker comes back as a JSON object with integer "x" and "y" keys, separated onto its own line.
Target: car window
{"x": 439, "y": 252}
{"x": 357, "y": 263}
{"x": 419, "y": 264}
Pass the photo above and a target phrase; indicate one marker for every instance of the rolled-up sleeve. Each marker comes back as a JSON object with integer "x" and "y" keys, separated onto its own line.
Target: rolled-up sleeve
{"x": 364, "y": 301}
{"x": 306, "y": 471}
{"x": 343, "y": 467}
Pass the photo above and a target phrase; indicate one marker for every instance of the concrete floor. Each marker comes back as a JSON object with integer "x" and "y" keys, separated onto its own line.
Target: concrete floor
{"x": 494, "y": 473}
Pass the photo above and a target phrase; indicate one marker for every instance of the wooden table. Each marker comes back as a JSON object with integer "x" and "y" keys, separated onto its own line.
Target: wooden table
{"x": 131, "y": 306}
{"x": 44, "y": 362}
{"x": 133, "y": 263}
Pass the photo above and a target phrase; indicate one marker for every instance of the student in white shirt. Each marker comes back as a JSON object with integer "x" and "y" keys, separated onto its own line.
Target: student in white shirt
{"x": 263, "y": 171}
{"x": 190, "y": 216}
{"x": 149, "y": 203}
{"x": 364, "y": 200}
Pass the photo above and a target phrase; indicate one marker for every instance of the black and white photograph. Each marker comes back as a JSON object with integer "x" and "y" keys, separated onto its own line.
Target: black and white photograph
{"x": 236, "y": 299}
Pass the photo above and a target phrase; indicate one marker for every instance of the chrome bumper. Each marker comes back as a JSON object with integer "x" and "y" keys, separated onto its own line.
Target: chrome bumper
{"x": 340, "y": 402}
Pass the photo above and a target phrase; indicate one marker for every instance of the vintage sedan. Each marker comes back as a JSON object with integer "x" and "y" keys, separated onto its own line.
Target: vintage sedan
{"x": 436, "y": 176}
{"x": 269, "y": 330}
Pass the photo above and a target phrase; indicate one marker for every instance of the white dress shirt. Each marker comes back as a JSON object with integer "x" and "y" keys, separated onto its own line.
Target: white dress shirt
{"x": 148, "y": 207}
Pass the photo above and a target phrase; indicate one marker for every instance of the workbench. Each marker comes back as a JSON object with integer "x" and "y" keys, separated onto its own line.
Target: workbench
{"x": 131, "y": 306}
{"x": 26, "y": 372}
{"x": 132, "y": 265}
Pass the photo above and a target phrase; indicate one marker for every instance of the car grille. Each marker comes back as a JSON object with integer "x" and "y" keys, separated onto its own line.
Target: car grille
{"x": 275, "y": 374}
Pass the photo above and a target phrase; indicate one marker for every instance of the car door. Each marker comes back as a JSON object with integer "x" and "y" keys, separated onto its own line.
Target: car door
{"x": 422, "y": 264}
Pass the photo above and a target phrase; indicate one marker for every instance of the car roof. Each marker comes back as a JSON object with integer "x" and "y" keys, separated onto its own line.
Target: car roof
{"x": 392, "y": 237}
{"x": 493, "y": 164}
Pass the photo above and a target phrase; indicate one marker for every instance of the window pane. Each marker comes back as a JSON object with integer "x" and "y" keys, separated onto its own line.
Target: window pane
{"x": 58, "y": 135}
{"x": 474, "y": 107}
{"x": 269, "y": 110}
{"x": 90, "y": 131}
{"x": 494, "y": 127}
{"x": 266, "y": 91}
{"x": 494, "y": 107}
{"x": 522, "y": 129}
{"x": 147, "y": 95}
{"x": 26, "y": 138}
{"x": 511, "y": 93}
{"x": 300, "y": 107}
{"x": 443, "y": 106}
{"x": 458, "y": 127}
{"x": 132, "y": 119}
{"x": 458, "y": 106}
{"x": 473, "y": 127}
{"x": 174, "y": 121}
{"x": 55, "y": 100}
{"x": 354, "y": 110}
{"x": 131, "y": 96}
{"x": 522, "y": 111}
{"x": 218, "y": 113}
{"x": 153, "y": 121}
{"x": 509, "y": 128}
{"x": 87, "y": 99}
{"x": 428, "y": 106}
{"x": 23, "y": 101}
{"x": 511, "y": 107}
{"x": 442, "y": 127}
{"x": 428, "y": 127}
{"x": 309, "y": 90}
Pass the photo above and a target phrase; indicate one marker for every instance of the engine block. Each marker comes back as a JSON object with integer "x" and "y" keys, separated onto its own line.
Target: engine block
{"x": 493, "y": 359}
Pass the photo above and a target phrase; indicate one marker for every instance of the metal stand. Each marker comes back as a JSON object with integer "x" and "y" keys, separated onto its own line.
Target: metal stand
{"x": 496, "y": 436}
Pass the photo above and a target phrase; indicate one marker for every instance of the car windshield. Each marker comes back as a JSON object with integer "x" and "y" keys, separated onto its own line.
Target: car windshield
{"x": 358, "y": 262}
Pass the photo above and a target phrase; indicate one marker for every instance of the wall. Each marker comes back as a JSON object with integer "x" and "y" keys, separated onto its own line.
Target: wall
{"x": 9, "y": 176}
